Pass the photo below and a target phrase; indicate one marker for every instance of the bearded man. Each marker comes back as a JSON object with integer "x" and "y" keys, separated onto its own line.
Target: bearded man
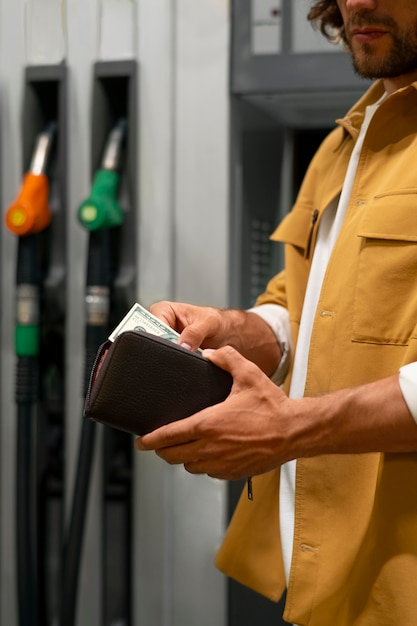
{"x": 323, "y": 409}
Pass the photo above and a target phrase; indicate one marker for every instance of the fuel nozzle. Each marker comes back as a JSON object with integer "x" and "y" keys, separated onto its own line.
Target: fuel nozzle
{"x": 101, "y": 209}
{"x": 30, "y": 212}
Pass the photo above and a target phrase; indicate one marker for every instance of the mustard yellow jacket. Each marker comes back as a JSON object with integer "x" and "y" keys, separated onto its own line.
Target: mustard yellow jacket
{"x": 355, "y": 545}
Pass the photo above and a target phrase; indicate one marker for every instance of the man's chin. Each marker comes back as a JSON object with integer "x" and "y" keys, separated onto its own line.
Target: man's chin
{"x": 369, "y": 66}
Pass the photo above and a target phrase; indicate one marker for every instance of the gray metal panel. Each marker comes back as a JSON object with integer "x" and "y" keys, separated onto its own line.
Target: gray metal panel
{"x": 11, "y": 89}
{"x": 156, "y": 137}
{"x": 82, "y": 27}
{"x": 256, "y": 162}
{"x": 277, "y": 73}
{"x": 179, "y": 518}
{"x": 201, "y": 152}
{"x": 201, "y": 277}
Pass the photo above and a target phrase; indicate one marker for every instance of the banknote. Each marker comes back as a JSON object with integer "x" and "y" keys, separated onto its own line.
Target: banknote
{"x": 139, "y": 318}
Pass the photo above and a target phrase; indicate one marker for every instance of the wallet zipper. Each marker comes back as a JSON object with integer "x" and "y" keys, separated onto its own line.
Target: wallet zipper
{"x": 250, "y": 488}
{"x": 101, "y": 349}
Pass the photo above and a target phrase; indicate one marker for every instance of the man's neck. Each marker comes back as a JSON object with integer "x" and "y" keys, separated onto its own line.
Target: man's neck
{"x": 397, "y": 82}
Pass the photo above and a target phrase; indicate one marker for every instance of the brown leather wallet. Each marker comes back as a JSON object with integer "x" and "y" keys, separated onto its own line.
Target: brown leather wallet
{"x": 141, "y": 382}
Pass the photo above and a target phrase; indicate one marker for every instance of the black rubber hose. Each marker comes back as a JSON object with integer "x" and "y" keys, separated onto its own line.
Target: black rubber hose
{"x": 26, "y": 532}
{"x": 28, "y": 273}
{"x": 29, "y": 261}
{"x": 74, "y": 543}
{"x": 99, "y": 274}
{"x": 73, "y": 546}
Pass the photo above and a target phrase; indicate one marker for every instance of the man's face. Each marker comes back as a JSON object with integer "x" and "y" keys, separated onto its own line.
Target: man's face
{"x": 381, "y": 36}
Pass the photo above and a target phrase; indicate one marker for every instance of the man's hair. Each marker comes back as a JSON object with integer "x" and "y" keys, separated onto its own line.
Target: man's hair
{"x": 326, "y": 17}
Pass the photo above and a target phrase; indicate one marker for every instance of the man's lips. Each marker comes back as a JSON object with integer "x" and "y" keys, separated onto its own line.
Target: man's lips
{"x": 367, "y": 33}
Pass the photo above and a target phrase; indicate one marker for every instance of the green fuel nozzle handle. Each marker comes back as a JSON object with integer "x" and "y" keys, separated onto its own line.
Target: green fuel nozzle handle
{"x": 101, "y": 209}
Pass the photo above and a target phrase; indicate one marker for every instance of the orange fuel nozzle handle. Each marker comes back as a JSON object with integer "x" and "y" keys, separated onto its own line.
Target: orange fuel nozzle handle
{"x": 30, "y": 212}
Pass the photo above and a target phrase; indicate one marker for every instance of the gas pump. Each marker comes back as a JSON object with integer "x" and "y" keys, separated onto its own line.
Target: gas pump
{"x": 101, "y": 215}
{"x": 28, "y": 218}
{"x": 37, "y": 218}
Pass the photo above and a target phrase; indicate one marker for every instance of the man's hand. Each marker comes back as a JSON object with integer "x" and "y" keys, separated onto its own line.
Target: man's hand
{"x": 199, "y": 326}
{"x": 247, "y": 434}
{"x": 257, "y": 428}
{"x": 209, "y": 327}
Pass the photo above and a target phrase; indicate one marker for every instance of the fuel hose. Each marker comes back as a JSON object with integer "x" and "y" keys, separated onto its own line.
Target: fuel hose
{"x": 28, "y": 217}
{"x": 100, "y": 214}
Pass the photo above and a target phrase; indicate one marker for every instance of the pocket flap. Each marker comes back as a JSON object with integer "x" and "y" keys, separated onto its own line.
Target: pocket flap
{"x": 391, "y": 217}
{"x": 296, "y": 227}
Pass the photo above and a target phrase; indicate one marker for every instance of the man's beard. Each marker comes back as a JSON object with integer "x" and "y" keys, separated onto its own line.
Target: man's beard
{"x": 400, "y": 59}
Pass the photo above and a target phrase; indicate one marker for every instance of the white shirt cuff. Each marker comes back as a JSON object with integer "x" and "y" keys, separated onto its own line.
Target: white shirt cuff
{"x": 408, "y": 384}
{"x": 276, "y": 316}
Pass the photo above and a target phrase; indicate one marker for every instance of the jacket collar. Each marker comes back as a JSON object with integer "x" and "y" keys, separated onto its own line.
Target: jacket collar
{"x": 354, "y": 117}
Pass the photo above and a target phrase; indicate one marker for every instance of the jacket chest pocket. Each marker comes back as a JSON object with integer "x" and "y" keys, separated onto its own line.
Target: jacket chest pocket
{"x": 385, "y": 302}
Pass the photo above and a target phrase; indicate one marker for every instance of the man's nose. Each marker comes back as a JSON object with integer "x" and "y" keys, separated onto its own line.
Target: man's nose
{"x": 355, "y": 5}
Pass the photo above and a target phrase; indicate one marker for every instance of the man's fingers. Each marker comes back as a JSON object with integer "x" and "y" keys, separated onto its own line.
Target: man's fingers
{"x": 233, "y": 362}
{"x": 173, "y": 434}
{"x": 178, "y": 455}
{"x": 166, "y": 313}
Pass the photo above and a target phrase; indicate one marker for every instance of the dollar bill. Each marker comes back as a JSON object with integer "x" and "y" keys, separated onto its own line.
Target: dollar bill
{"x": 139, "y": 318}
